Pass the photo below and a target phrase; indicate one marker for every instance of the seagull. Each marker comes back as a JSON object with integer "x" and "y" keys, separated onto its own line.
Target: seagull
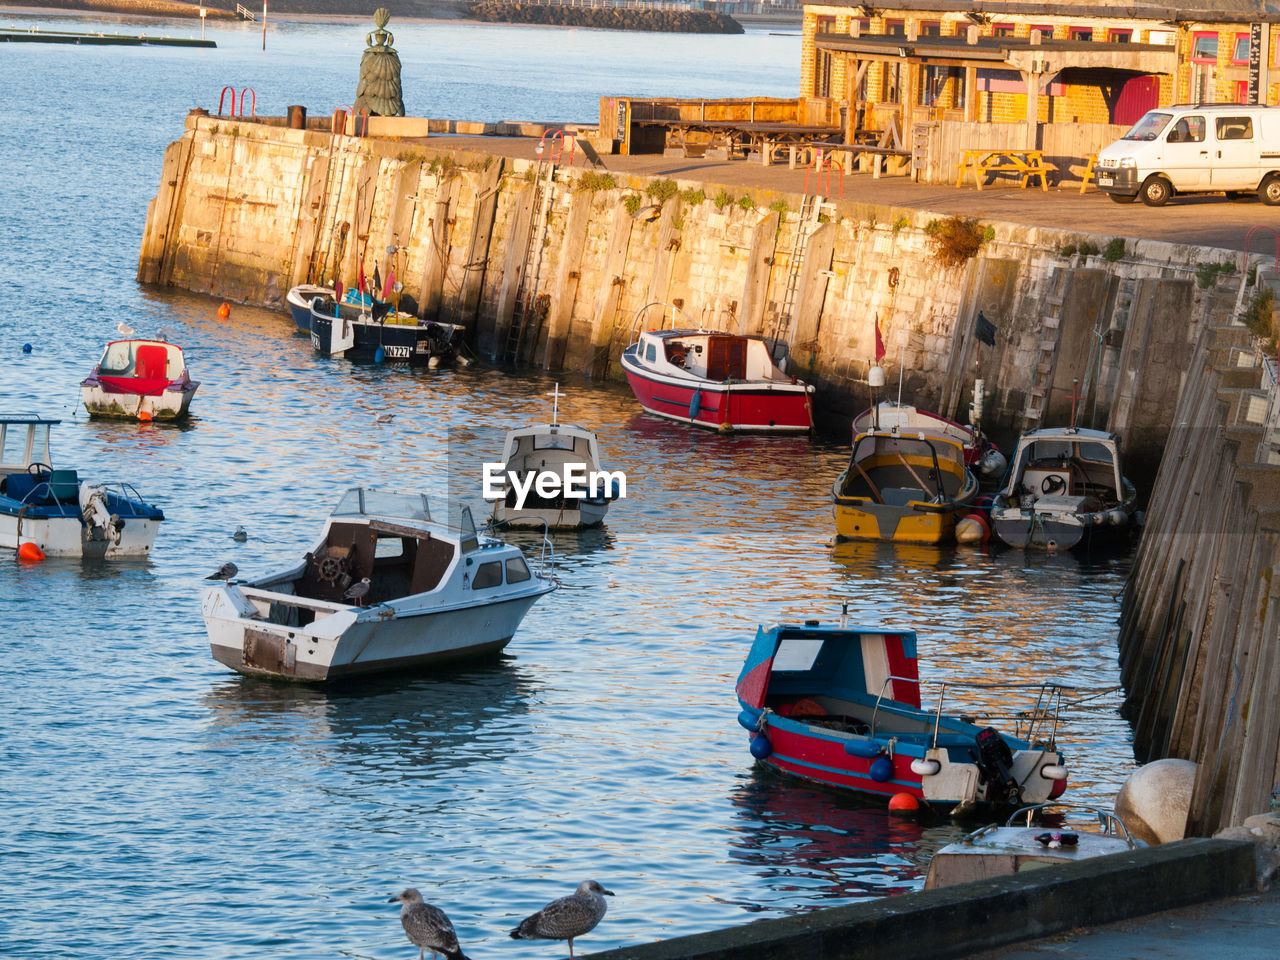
{"x": 567, "y": 917}
{"x": 124, "y": 329}
{"x": 224, "y": 572}
{"x": 357, "y": 593}
{"x": 384, "y": 418}
{"x": 240, "y": 536}
{"x": 426, "y": 926}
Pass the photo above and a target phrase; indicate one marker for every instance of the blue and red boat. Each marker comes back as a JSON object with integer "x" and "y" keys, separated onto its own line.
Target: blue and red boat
{"x": 840, "y": 705}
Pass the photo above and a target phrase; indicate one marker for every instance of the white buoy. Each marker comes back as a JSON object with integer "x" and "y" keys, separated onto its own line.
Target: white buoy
{"x": 1155, "y": 800}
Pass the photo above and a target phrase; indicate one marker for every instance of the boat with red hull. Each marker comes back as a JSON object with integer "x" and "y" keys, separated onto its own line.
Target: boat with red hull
{"x": 723, "y": 381}
{"x": 841, "y": 706}
{"x": 139, "y": 379}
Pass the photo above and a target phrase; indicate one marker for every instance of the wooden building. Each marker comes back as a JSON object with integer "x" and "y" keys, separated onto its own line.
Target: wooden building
{"x": 1037, "y": 64}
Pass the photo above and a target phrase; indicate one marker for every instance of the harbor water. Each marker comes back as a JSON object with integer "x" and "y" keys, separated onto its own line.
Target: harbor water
{"x": 158, "y": 806}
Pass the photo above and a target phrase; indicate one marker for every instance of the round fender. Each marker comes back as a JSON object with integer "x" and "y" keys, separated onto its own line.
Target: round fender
{"x": 749, "y": 720}
{"x": 881, "y": 769}
{"x": 760, "y": 746}
{"x": 925, "y": 768}
{"x": 1053, "y": 771}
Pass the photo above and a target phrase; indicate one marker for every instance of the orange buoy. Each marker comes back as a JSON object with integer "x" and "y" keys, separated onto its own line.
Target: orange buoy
{"x": 224, "y": 311}
{"x": 903, "y": 803}
{"x": 973, "y": 528}
{"x": 30, "y": 552}
{"x": 145, "y": 416}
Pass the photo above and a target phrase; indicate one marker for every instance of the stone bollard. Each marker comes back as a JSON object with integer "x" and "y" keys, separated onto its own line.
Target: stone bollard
{"x": 297, "y": 118}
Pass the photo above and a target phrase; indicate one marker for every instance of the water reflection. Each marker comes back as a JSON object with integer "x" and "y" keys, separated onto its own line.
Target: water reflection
{"x": 389, "y": 725}
{"x": 830, "y": 845}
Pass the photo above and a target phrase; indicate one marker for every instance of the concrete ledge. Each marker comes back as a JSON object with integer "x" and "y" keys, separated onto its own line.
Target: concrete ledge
{"x": 971, "y": 917}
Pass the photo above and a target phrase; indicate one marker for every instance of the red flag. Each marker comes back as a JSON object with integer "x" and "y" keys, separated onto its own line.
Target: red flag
{"x": 360, "y": 277}
{"x": 391, "y": 282}
{"x": 879, "y": 342}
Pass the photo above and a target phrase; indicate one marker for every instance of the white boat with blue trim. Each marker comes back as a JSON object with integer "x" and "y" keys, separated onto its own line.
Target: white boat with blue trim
{"x": 57, "y": 514}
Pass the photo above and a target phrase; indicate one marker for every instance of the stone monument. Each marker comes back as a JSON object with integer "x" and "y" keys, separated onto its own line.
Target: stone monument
{"x": 379, "y": 89}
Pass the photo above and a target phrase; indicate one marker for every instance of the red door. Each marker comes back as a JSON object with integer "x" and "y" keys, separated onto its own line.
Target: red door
{"x": 1138, "y": 95}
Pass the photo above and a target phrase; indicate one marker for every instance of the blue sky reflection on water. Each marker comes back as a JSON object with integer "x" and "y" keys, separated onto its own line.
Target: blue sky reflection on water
{"x": 182, "y": 811}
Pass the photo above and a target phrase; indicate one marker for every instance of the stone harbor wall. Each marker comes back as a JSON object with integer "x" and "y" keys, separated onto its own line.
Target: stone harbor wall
{"x": 556, "y": 266}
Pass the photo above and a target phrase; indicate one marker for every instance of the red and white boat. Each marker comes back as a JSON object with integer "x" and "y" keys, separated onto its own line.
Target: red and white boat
{"x": 980, "y": 454}
{"x": 725, "y": 381}
{"x": 139, "y": 380}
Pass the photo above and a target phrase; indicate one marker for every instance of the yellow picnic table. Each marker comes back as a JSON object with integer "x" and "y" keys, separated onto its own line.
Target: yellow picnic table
{"x": 1023, "y": 164}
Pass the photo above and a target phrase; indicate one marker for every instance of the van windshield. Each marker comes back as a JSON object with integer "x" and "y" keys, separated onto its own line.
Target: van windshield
{"x": 1149, "y": 127}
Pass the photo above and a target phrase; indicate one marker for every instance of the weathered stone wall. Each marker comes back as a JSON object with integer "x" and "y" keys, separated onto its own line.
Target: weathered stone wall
{"x": 246, "y": 210}
{"x": 604, "y": 17}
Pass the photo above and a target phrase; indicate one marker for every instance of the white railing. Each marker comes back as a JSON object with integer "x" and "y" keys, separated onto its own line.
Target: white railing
{"x": 244, "y": 13}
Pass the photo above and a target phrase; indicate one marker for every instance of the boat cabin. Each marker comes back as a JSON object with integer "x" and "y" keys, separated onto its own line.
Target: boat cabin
{"x": 900, "y": 469}
{"x": 24, "y": 441}
{"x": 140, "y": 366}
{"x": 718, "y": 357}
{"x": 1072, "y": 462}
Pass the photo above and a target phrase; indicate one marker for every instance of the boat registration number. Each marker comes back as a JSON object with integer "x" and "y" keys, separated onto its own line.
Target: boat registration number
{"x": 1106, "y": 181}
{"x": 398, "y": 353}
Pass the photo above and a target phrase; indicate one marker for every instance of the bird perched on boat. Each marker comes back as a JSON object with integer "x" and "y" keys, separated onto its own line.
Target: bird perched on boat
{"x": 124, "y": 329}
{"x": 427, "y": 927}
{"x": 566, "y": 918}
{"x": 357, "y": 591}
{"x": 224, "y": 572}
{"x": 240, "y": 535}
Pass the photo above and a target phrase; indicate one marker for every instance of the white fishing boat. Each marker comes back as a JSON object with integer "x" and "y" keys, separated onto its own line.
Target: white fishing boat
{"x": 54, "y": 513}
{"x": 393, "y": 583}
{"x": 579, "y": 490}
{"x": 1065, "y": 491}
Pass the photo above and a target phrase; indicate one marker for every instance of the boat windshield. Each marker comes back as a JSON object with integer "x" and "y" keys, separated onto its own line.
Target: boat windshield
{"x": 1149, "y": 127}
{"x": 359, "y": 502}
{"x": 24, "y": 443}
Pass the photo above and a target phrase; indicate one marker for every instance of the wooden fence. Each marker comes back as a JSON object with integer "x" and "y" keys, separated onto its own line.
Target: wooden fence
{"x": 1066, "y": 146}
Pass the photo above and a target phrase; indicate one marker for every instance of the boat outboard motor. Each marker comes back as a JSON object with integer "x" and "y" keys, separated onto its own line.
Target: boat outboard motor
{"x": 95, "y": 515}
{"x": 995, "y": 761}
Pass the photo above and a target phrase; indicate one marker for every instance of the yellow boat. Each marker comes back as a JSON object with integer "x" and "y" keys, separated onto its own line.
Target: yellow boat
{"x": 904, "y": 487}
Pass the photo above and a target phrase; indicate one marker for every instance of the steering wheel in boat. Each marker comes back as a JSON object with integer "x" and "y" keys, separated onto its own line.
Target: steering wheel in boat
{"x": 1053, "y": 483}
{"x": 36, "y": 469}
{"x": 330, "y": 568}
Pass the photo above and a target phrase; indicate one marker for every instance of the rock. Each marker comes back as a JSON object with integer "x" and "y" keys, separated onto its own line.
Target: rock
{"x": 1264, "y": 830}
{"x": 1155, "y": 800}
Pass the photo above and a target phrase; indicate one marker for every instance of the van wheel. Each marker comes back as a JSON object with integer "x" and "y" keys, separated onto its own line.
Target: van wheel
{"x": 1156, "y": 191}
{"x": 1269, "y": 189}
{"x": 1121, "y": 198}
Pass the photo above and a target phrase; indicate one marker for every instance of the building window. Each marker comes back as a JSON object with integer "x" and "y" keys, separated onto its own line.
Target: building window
{"x": 1240, "y": 52}
{"x": 895, "y": 28}
{"x": 822, "y": 77}
{"x": 1120, "y": 36}
{"x": 930, "y": 28}
{"x": 1046, "y": 31}
{"x": 1081, "y": 33}
{"x": 1204, "y": 48}
{"x": 1002, "y": 29}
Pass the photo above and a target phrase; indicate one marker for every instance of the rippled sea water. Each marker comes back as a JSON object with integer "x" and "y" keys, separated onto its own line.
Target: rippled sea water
{"x": 158, "y": 806}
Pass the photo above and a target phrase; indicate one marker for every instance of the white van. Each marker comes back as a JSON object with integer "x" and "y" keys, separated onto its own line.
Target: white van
{"x": 1227, "y": 148}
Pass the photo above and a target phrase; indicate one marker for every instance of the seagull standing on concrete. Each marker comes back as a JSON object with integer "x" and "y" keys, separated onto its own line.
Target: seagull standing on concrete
{"x": 224, "y": 572}
{"x": 427, "y": 927}
{"x": 567, "y": 917}
{"x": 356, "y": 592}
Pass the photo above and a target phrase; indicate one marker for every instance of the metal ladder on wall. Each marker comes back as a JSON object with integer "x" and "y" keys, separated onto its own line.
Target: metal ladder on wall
{"x": 316, "y": 271}
{"x": 808, "y": 223}
{"x": 526, "y": 318}
{"x": 1047, "y": 353}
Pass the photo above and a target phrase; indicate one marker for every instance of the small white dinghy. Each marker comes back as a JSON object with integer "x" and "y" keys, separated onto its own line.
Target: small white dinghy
{"x": 533, "y": 457}
{"x": 996, "y": 851}
{"x": 394, "y": 583}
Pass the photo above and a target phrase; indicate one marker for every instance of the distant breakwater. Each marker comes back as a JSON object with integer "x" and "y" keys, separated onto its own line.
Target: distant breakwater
{"x": 605, "y": 17}
{"x": 154, "y": 8}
